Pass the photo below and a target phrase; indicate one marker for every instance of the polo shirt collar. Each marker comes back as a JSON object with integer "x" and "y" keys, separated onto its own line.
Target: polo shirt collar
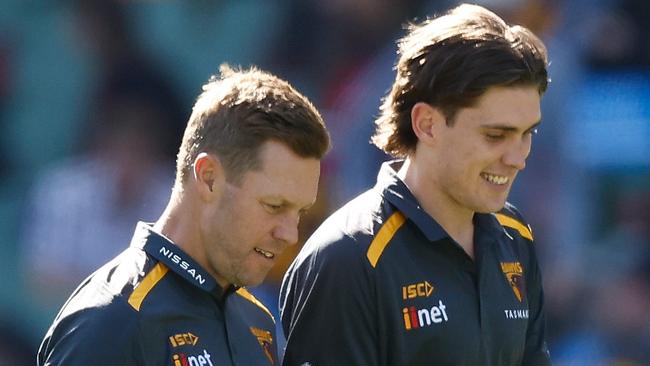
{"x": 487, "y": 223}
{"x": 172, "y": 256}
{"x": 395, "y": 191}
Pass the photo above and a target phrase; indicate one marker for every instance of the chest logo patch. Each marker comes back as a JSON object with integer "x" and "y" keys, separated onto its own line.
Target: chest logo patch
{"x": 265, "y": 339}
{"x": 183, "y": 339}
{"x": 420, "y": 289}
{"x": 420, "y": 318}
{"x": 515, "y": 275}
{"x": 181, "y": 359}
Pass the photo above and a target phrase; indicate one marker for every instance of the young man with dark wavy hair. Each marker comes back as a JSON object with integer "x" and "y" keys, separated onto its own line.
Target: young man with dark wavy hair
{"x": 432, "y": 266}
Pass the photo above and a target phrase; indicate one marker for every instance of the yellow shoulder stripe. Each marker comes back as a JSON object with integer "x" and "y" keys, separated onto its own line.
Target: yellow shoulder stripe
{"x": 248, "y": 296}
{"x": 383, "y": 237}
{"x": 148, "y": 282}
{"x": 524, "y": 230}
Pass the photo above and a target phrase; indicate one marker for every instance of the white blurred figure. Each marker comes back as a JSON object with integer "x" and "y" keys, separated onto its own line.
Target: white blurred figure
{"x": 82, "y": 209}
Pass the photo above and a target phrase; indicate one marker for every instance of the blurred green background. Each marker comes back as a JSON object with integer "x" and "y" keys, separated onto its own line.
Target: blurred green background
{"x": 94, "y": 96}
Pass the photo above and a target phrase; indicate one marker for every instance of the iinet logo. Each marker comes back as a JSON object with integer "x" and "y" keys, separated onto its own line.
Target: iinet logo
{"x": 181, "y": 359}
{"x": 418, "y": 318}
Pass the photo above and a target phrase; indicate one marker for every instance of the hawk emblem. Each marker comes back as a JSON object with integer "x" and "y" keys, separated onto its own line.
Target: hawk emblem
{"x": 515, "y": 275}
{"x": 265, "y": 339}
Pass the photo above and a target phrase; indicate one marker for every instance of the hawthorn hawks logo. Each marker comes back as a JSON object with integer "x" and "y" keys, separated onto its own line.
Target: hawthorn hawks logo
{"x": 265, "y": 339}
{"x": 515, "y": 275}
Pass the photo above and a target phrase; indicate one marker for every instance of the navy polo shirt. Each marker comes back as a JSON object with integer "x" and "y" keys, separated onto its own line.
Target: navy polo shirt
{"x": 381, "y": 283}
{"x": 154, "y": 305}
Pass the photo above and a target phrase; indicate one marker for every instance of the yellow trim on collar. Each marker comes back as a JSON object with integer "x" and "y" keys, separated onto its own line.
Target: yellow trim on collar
{"x": 524, "y": 230}
{"x": 248, "y": 296}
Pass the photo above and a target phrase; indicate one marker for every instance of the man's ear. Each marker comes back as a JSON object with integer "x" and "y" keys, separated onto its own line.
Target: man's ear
{"x": 209, "y": 175}
{"x": 425, "y": 120}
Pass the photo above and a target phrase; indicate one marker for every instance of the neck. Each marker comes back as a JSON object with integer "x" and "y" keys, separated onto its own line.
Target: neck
{"x": 454, "y": 218}
{"x": 179, "y": 225}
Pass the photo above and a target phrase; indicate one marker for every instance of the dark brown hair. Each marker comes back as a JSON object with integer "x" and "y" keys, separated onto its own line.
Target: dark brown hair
{"x": 238, "y": 111}
{"x": 449, "y": 62}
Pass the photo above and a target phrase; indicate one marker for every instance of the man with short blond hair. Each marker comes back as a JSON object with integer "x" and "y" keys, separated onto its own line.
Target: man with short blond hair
{"x": 247, "y": 169}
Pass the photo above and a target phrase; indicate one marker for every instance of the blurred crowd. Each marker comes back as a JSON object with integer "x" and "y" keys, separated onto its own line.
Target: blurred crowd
{"x": 94, "y": 96}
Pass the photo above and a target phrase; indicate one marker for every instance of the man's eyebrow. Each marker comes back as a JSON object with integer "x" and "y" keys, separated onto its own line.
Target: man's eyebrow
{"x": 509, "y": 128}
{"x": 286, "y": 203}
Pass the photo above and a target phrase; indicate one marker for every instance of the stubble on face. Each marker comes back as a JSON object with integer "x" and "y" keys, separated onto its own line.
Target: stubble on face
{"x": 234, "y": 234}
{"x": 244, "y": 235}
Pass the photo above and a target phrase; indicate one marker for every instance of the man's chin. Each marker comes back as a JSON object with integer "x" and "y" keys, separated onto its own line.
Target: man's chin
{"x": 491, "y": 208}
{"x": 251, "y": 282}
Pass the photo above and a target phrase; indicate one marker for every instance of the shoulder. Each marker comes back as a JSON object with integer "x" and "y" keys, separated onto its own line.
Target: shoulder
{"x": 513, "y": 221}
{"x": 106, "y": 310}
{"x": 106, "y": 317}
{"x": 336, "y": 256}
{"x": 347, "y": 234}
{"x": 95, "y": 325}
{"x": 107, "y": 288}
{"x": 520, "y": 233}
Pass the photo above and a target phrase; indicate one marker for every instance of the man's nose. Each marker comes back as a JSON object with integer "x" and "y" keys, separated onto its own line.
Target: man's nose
{"x": 287, "y": 230}
{"x": 517, "y": 154}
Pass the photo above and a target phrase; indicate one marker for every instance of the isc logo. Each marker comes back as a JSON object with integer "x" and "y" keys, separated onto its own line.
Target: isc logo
{"x": 420, "y": 289}
{"x": 183, "y": 339}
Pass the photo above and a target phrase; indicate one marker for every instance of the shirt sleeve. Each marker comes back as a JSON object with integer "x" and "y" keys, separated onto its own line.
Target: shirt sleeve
{"x": 99, "y": 337}
{"x": 536, "y": 350}
{"x": 327, "y": 308}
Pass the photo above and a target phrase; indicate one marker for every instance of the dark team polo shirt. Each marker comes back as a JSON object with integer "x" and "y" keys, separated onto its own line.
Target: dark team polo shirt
{"x": 381, "y": 283}
{"x": 154, "y": 305}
